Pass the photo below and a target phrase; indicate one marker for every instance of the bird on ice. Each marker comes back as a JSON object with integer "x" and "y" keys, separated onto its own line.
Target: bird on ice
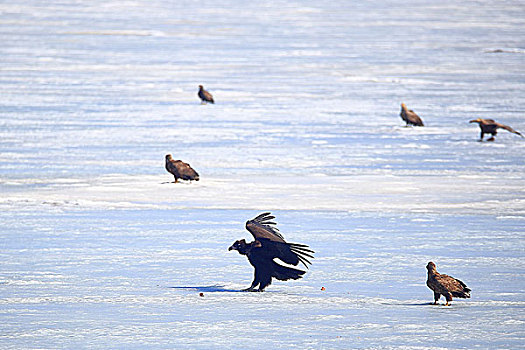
{"x": 445, "y": 285}
{"x": 410, "y": 117}
{"x": 205, "y": 96}
{"x": 180, "y": 170}
{"x": 489, "y": 126}
{"x": 268, "y": 245}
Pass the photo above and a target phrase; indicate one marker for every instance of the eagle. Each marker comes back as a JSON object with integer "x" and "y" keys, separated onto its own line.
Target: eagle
{"x": 269, "y": 244}
{"x": 445, "y": 285}
{"x": 489, "y": 126}
{"x": 410, "y": 117}
{"x": 180, "y": 170}
{"x": 205, "y": 96}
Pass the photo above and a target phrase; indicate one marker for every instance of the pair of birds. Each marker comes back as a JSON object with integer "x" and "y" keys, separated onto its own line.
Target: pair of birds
{"x": 487, "y": 126}
{"x": 269, "y": 244}
{"x": 178, "y": 168}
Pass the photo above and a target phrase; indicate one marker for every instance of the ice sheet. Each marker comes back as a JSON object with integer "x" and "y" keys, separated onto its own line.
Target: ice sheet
{"x": 100, "y": 250}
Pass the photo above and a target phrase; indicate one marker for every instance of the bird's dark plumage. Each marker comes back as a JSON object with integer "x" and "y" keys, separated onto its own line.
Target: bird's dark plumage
{"x": 268, "y": 245}
{"x": 445, "y": 285}
{"x": 410, "y": 117}
{"x": 489, "y": 126}
{"x": 204, "y": 95}
{"x": 180, "y": 170}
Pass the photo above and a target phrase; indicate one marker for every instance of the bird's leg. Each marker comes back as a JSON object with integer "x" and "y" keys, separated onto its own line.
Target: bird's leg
{"x": 436, "y": 297}
{"x": 449, "y": 299}
{"x": 175, "y": 181}
{"x": 254, "y": 283}
{"x": 481, "y": 136}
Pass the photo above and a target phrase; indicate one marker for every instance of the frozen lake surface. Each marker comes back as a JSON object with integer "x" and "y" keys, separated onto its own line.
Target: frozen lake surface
{"x": 99, "y": 250}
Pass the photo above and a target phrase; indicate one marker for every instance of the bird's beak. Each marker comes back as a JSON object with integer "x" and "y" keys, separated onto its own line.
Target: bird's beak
{"x": 473, "y": 121}
{"x": 231, "y": 248}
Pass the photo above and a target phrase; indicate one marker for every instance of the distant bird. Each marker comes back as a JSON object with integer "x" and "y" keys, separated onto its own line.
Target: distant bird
{"x": 489, "y": 126}
{"x": 205, "y": 96}
{"x": 180, "y": 170}
{"x": 445, "y": 285}
{"x": 268, "y": 245}
{"x": 409, "y": 116}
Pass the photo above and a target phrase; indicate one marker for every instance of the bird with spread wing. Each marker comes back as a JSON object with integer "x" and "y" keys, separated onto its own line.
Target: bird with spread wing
{"x": 490, "y": 126}
{"x": 268, "y": 245}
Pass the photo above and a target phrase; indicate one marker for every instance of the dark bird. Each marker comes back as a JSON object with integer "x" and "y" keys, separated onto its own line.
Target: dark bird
{"x": 180, "y": 170}
{"x": 205, "y": 96}
{"x": 489, "y": 126}
{"x": 410, "y": 117}
{"x": 268, "y": 245}
{"x": 445, "y": 285}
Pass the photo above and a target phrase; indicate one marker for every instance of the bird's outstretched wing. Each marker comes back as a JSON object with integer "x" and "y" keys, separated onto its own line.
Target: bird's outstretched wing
{"x": 262, "y": 227}
{"x": 508, "y": 128}
{"x": 273, "y": 243}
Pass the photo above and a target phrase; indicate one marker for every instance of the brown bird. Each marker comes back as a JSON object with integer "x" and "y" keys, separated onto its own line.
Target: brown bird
{"x": 268, "y": 245}
{"x": 205, "y": 96}
{"x": 445, "y": 285}
{"x": 410, "y": 117}
{"x": 180, "y": 170}
{"x": 489, "y": 126}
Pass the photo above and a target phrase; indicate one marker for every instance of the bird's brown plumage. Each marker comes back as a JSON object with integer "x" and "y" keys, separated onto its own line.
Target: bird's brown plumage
{"x": 490, "y": 126}
{"x": 180, "y": 170}
{"x": 410, "y": 117}
{"x": 204, "y": 95}
{"x": 445, "y": 285}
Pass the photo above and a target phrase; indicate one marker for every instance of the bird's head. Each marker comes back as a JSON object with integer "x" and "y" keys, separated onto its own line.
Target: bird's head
{"x": 169, "y": 157}
{"x": 475, "y": 121}
{"x": 404, "y": 106}
{"x": 431, "y": 266}
{"x": 238, "y": 245}
{"x": 201, "y": 87}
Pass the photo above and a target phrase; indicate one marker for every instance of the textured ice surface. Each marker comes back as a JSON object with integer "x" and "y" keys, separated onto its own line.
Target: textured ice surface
{"x": 99, "y": 250}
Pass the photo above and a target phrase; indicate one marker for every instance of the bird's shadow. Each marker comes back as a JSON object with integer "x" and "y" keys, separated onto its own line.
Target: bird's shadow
{"x": 430, "y": 304}
{"x": 208, "y": 289}
{"x": 418, "y": 304}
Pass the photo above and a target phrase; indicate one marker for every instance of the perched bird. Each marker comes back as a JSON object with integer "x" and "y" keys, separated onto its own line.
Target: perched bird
{"x": 445, "y": 285}
{"x": 268, "y": 245}
{"x": 489, "y": 126}
{"x": 409, "y": 116}
{"x": 205, "y": 96}
{"x": 180, "y": 170}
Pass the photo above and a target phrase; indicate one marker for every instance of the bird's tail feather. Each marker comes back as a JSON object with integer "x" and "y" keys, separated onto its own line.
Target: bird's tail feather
{"x": 463, "y": 294}
{"x": 284, "y": 273}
